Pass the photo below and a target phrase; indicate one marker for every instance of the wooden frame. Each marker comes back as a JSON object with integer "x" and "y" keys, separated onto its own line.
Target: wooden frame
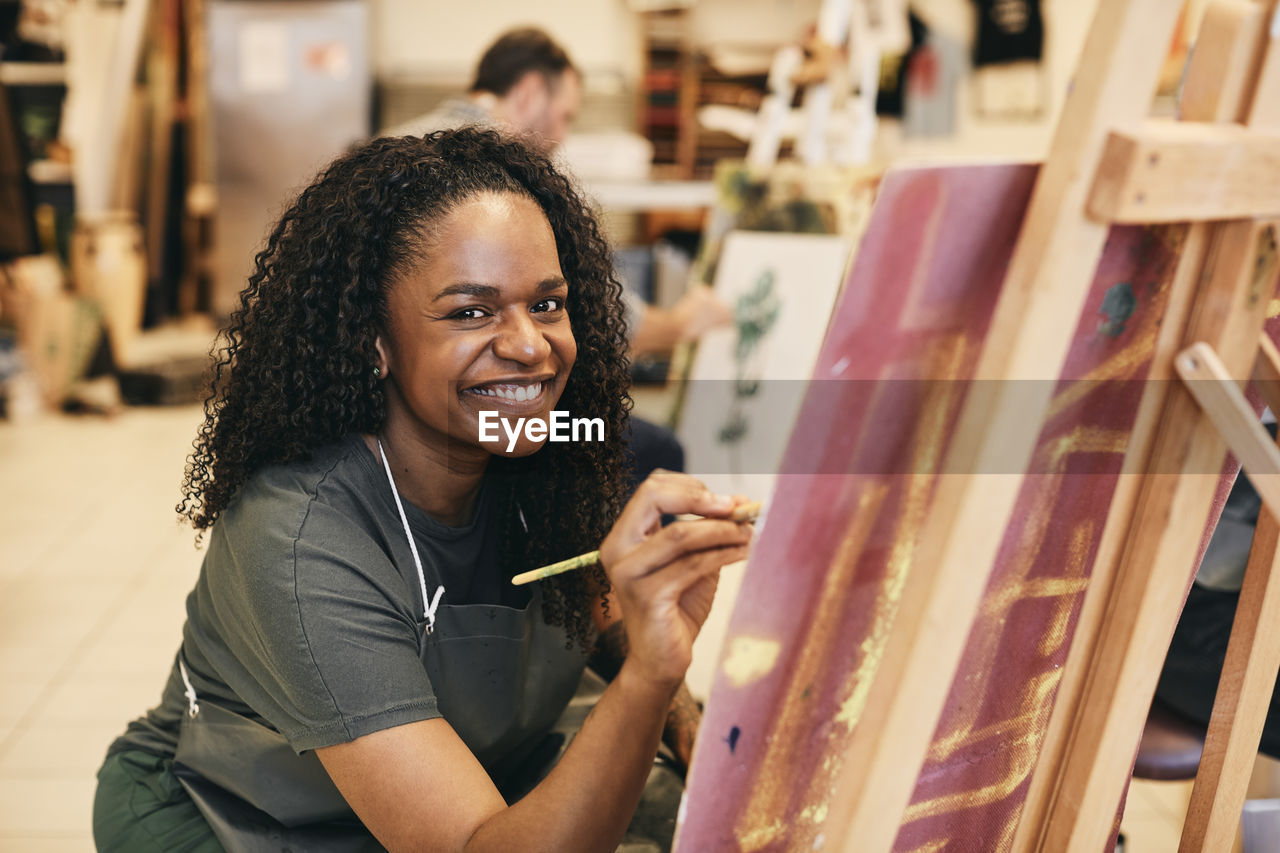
{"x": 1048, "y": 278}
{"x": 1216, "y": 283}
{"x": 1145, "y": 564}
{"x": 1177, "y": 171}
{"x": 1253, "y": 652}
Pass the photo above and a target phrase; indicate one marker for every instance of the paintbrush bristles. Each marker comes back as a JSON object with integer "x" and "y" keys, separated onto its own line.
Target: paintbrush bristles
{"x": 746, "y": 512}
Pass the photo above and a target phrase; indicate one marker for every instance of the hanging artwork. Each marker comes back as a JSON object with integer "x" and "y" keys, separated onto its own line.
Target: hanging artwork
{"x": 932, "y": 78}
{"x": 788, "y": 197}
{"x": 747, "y": 379}
{"x": 920, "y": 86}
{"x": 754, "y": 315}
{"x": 1009, "y": 79}
{"x": 1008, "y": 31}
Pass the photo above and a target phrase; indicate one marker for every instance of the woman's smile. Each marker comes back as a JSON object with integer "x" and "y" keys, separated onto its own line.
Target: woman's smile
{"x": 518, "y": 396}
{"x": 481, "y": 325}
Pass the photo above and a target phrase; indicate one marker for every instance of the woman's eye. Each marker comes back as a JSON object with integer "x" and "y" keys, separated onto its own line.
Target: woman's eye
{"x": 468, "y": 314}
{"x": 555, "y": 303}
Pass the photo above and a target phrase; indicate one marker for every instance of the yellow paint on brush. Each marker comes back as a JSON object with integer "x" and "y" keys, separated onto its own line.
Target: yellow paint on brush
{"x": 578, "y": 562}
{"x": 745, "y": 513}
{"x": 750, "y": 659}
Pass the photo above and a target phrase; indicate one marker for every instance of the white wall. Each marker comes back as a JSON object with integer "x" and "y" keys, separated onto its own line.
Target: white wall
{"x": 430, "y": 39}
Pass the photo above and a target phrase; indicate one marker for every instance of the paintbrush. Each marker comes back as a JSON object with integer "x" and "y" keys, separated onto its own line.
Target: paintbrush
{"x": 745, "y": 512}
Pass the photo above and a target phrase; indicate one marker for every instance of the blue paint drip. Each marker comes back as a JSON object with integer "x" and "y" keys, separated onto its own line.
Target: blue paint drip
{"x": 732, "y": 739}
{"x": 1117, "y": 307}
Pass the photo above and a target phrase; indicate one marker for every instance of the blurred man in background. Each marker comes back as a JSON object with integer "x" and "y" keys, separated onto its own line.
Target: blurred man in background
{"x": 526, "y": 85}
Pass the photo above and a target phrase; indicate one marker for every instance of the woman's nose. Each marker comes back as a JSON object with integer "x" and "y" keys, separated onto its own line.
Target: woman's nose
{"x": 520, "y": 339}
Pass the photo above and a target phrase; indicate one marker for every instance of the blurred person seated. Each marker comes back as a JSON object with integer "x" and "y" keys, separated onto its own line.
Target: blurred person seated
{"x": 526, "y": 84}
{"x": 1189, "y": 678}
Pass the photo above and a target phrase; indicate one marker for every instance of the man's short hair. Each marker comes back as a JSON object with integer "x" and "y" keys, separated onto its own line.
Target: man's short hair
{"x": 516, "y": 53}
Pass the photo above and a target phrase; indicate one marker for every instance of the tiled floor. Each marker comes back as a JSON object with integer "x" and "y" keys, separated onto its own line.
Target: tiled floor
{"x": 93, "y": 573}
{"x": 1153, "y": 816}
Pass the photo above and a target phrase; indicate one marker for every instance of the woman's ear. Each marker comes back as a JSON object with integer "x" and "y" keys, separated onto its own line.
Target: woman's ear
{"x": 382, "y": 364}
{"x": 527, "y": 101}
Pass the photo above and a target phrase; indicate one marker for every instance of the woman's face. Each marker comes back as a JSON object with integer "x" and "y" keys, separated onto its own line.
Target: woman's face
{"x": 480, "y": 326}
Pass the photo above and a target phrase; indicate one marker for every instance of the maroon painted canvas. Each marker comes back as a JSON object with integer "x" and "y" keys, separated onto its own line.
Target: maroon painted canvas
{"x": 836, "y": 548}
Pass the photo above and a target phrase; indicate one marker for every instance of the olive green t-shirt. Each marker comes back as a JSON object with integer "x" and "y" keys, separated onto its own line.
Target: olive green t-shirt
{"x": 307, "y": 614}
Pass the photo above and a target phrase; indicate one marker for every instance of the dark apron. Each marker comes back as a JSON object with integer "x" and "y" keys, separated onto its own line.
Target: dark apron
{"x": 501, "y": 676}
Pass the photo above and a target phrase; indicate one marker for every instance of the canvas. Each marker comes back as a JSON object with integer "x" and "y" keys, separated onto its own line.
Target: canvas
{"x": 786, "y": 198}
{"x": 836, "y": 547}
{"x": 747, "y": 380}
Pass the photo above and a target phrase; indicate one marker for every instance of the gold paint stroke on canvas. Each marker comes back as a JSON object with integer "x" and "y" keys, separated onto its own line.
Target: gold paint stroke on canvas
{"x": 762, "y": 820}
{"x": 749, "y": 659}
{"x": 1066, "y": 588}
{"x": 1021, "y": 756}
{"x": 1083, "y": 439}
{"x": 1082, "y": 544}
{"x": 1124, "y": 364}
{"x": 926, "y": 457}
{"x": 1036, "y": 694}
{"x": 931, "y": 847}
{"x": 945, "y": 361}
{"x": 1015, "y": 587}
{"x": 993, "y": 608}
{"x": 910, "y": 521}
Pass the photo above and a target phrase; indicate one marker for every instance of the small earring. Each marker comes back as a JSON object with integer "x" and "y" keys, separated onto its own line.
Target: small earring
{"x": 377, "y": 372}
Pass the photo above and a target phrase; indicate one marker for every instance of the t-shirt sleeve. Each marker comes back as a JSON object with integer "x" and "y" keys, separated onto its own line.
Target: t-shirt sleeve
{"x": 326, "y": 644}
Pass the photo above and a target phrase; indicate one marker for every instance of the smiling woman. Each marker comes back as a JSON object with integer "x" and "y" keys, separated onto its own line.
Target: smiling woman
{"x": 356, "y": 670}
{"x": 481, "y": 323}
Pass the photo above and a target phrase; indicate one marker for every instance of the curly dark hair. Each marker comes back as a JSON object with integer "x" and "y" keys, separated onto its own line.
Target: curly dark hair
{"x": 293, "y": 370}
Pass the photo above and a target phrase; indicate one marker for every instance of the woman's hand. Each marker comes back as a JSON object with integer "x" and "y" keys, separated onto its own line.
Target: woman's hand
{"x": 664, "y": 578}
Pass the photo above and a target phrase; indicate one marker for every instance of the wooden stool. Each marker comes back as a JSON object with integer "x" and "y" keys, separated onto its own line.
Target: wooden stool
{"x": 1171, "y": 746}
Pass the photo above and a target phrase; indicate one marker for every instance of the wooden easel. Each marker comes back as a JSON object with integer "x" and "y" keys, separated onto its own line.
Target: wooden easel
{"x": 1108, "y": 164}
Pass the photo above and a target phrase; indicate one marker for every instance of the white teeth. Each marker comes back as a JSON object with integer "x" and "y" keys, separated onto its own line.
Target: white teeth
{"x": 514, "y": 394}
